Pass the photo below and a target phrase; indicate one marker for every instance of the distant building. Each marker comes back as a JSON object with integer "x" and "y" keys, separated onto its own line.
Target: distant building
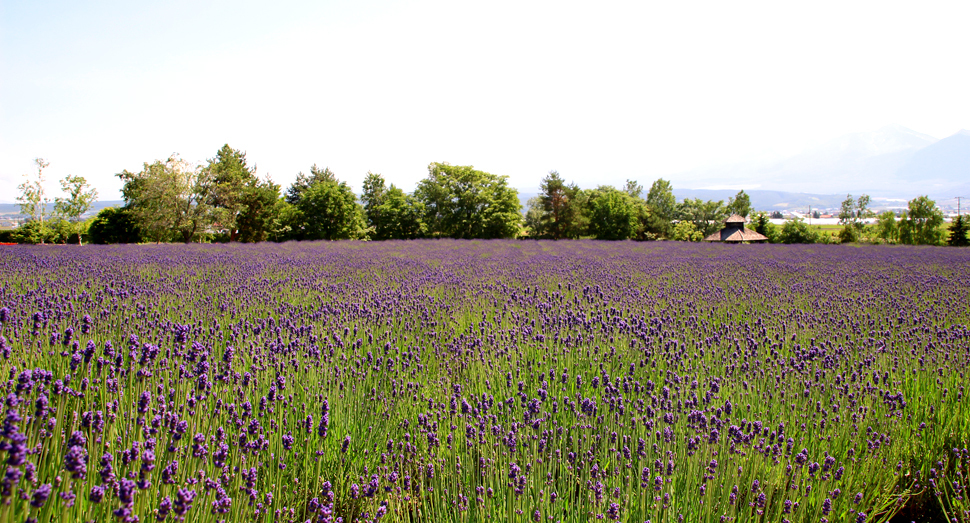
{"x": 734, "y": 231}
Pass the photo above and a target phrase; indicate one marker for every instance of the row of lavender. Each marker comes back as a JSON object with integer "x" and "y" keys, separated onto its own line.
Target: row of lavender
{"x": 471, "y": 381}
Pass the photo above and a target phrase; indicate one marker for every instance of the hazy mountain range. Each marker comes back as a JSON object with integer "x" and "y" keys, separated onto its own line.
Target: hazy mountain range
{"x": 893, "y": 162}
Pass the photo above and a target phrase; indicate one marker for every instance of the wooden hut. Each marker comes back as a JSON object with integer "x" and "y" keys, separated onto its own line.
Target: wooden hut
{"x": 734, "y": 231}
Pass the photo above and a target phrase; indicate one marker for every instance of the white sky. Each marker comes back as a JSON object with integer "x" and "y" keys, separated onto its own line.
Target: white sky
{"x": 600, "y": 91}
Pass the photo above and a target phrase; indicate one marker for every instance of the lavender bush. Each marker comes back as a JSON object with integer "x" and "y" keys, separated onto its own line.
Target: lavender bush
{"x": 473, "y": 381}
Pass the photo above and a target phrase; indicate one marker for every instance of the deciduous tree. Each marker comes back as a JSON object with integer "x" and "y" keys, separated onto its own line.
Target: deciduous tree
{"x": 612, "y": 214}
{"x": 80, "y": 197}
{"x": 462, "y": 202}
{"x": 921, "y": 225}
{"x": 663, "y": 209}
{"x": 327, "y": 209}
{"x": 169, "y": 198}
{"x": 739, "y": 204}
{"x": 33, "y": 202}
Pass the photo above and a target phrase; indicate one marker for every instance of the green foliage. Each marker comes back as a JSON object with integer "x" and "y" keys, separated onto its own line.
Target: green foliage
{"x": 851, "y": 217}
{"x": 33, "y": 203}
{"x": 686, "y": 231}
{"x": 401, "y": 216}
{"x": 958, "y": 232}
{"x": 113, "y": 225}
{"x": 886, "y": 227}
{"x": 797, "y": 231}
{"x": 849, "y": 234}
{"x": 232, "y": 184}
{"x": 663, "y": 209}
{"x": 80, "y": 198}
{"x": 461, "y": 202}
{"x": 169, "y": 199}
{"x": 762, "y": 225}
{"x": 303, "y": 182}
{"x": 33, "y": 231}
{"x": 613, "y": 214}
{"x": 922, "y": 223}
{"x": 739, "y": 204}
{"x": 328, "y": 210}
{"x": 391, "y": 213}
{"x": 259, "y": 217}
{"x": 534, "y": 214}
{"x": 375, "y": 190}
{"x": 558, "y": 211}
{"x": 708, "y": 217}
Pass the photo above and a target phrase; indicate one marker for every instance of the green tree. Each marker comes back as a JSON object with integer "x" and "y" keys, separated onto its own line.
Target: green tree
{"x": 686, "y": 231}
{"x": 558, "y": 213}
{"x": 303, "y": 182}
{"x": 922, "y": 223}
{"x": 327, "y": 209}
{"x": 847, "y": 212}
{"x": 851, "y": 216}
{"x": 739, "y": 204}
{"x": 33, "y": 231}
{"x": 113, "y": 225}
{"x": 461, "y": 202}
{"x": 797, "y": 231}
{"x": 708, "y": 217}
{"x": 612, "y": 214}
{"x": 762, "y": 225}
{"x": 80, "y": 197}
{"x": 958, "y": 232}
{"x": 663, "y": 209}
{"x": 401, "y": 216}
{"x": 534, "y": 215}
{"x": 259, "y": 217}
{"x": 169, "y": 199}
{"x": 232, "y": 183}
{"x": 887, "y": 229}
{"x": 373, "y": 197}
{"x": 33, "y": 202}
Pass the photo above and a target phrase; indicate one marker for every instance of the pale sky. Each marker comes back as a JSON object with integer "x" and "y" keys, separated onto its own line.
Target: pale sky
{"x": 600, "y": 91}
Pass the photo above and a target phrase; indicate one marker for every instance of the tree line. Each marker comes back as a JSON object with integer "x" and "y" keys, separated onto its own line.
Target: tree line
{"x": 225, "y": 200}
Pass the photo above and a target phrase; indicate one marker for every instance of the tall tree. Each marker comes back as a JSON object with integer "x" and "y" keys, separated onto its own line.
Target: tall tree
{"x": 401, "y": 216}
{"x": 612, "y": 214}
{"x": 33, "y": 199}
{"x": 231, "y": 180}
{"x": 261, "y": 208}
{"x": 958, "y": 232}
{"x": 851, "y": 216}
{"x": 80, "y": 197}
{"x": 663, "y": 209}
{"x": 633, "y": 188}
{"x": 886, "y": 227}
{"x": 921, "y": 225}
{"x": 169, "y": 198}
{"x": 326, "y": 208}
{"x": 739, "y": 204}
{"x": 303, "y": 182}
{"x": 461, "y": 202}
{"x": 559, "y": 212}
{"x": 707, "y": 217}
{"x": 763, "y": 226}
{"x": 372, "y": 198}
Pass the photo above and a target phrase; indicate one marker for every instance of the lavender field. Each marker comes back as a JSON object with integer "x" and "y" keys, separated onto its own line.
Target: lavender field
{"x": 484, "y": 381}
